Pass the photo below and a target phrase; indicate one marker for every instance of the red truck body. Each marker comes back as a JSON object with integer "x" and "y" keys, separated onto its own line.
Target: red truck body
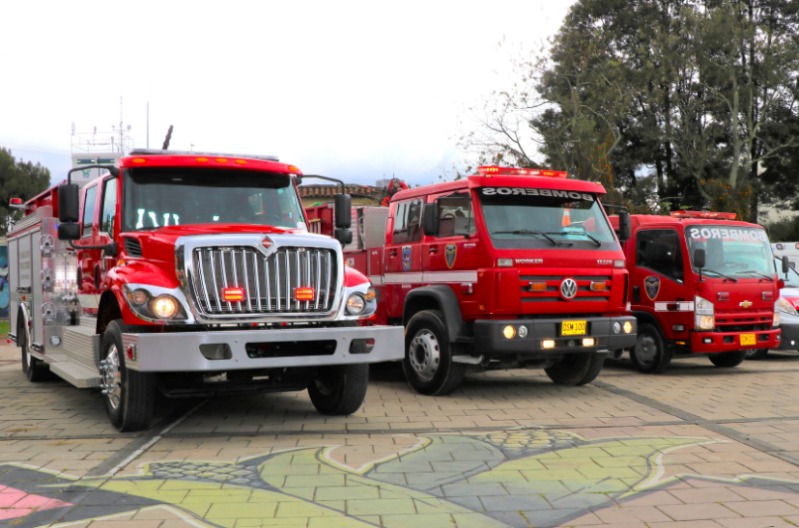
{"x": 509, "y": 267}
{"x": 187, "y": 274}
{"x": 719, "y": 303}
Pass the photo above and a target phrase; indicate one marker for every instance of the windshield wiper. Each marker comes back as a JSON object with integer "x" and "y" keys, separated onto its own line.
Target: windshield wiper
{"x": 758, "y": 273}
{"x": 579, "y": 233}
{"x": 718, "y": 273}
{"x": 527, "y": 232}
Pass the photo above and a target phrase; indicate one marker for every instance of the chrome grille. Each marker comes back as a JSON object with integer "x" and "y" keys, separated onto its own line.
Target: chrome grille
{"x": 268, "y": 283}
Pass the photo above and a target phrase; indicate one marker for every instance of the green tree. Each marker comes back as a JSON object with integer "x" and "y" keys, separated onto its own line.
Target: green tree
{"x": 18, "y": 179}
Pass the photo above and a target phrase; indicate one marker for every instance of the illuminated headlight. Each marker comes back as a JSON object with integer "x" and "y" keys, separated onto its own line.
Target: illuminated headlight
{"x": 509, "y": 332}
{"x": 355, "y": 304}
{"x": 704, "y": 314}
{"x": 165, "y": 306}
{"x": 627, "y": 327}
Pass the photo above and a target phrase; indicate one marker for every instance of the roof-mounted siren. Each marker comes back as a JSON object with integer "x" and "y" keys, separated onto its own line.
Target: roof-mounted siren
{"x": 495, "y": 170}
{"x": 708, "y": 215}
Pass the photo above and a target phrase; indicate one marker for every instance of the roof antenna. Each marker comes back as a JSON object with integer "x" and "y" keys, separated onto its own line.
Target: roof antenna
{"x": 167, "y": 138}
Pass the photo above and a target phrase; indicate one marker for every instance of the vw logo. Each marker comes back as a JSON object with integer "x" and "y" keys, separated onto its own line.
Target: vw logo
{"x": 568, "y": 288}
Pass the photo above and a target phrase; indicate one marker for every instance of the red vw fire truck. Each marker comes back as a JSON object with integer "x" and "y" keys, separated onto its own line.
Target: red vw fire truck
{"x": 190, "y": 274}
{"x": 701, "y": 283}
{"x": 507, "y": 268}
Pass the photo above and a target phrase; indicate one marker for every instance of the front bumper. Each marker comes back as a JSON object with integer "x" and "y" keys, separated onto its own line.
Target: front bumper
{"x": 489, "y": 338}
{"x": 790, "y": 333}
{"x": 715, "y": 342}
{"x": 224, "y": 350}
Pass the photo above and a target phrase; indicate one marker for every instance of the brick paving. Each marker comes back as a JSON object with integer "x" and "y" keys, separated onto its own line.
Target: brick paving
{"x": 697, "y": 446}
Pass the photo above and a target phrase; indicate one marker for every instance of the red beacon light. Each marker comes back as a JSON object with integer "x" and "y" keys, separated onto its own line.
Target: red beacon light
{"x": 495, "y": 170}
{"x": 16, "y": 203}
{"x": 712, "y": 215}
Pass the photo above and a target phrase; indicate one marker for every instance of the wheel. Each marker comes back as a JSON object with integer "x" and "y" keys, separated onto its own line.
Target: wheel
{"x": 576, "y": 369}
{"x": 428, "y": 364}
{"x": 129, "y": 395}
{"x": 757, "y": 353}
{"x": 35, "y": 369}
{"x": 728, "y": 359}
{"x": 650, "y": 355}
{"x": 340, "y": 389}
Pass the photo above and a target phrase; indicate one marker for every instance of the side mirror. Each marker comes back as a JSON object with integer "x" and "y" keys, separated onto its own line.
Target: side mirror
{"x": 343, "y": 206}
{"x": 624, "y": 225}
{"x": 699, "y": 258}
{"x": 430, "y": 219}
{"x": 344, "y": 236}
{"x": 68, "y": 231}
{"x": 68, "y": 202}
{"x": 786, "y": 264}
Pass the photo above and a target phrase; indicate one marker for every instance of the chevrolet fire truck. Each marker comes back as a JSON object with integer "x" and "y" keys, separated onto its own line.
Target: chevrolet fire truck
{"x": 506, "y": 268}
{"x": 701, "y": 283}
{"x": 190, "y": 274}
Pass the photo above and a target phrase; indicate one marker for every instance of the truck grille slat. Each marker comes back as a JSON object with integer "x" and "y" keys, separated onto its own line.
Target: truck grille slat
{"x": 268, "y": 282}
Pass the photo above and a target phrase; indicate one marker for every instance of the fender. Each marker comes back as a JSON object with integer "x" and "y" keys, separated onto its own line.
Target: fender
{"x": 438, "y": 296}
{"x": 23, "y": 320}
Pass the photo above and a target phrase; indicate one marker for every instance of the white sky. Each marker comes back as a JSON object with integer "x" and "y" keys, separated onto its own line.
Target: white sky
{"x": 359, "y": 90}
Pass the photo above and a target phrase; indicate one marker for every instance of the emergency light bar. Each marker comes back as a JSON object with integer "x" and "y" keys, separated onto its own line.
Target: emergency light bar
{"x": 494, "y": 170}
{"x": 704, "y": 214}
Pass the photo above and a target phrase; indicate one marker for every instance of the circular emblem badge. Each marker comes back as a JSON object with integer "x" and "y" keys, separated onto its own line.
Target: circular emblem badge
{"x": 568, "y": 288}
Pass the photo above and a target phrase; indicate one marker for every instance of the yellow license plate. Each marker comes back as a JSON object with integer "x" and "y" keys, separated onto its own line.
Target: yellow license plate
{"x": 570, "y": 328}
{"x": 748, "y": 339}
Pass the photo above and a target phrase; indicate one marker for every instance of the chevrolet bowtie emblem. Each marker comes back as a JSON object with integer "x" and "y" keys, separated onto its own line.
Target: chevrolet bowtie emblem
{"x": 745, "y": 304}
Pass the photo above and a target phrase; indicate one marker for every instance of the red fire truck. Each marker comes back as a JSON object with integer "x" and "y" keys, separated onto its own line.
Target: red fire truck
{"x": 507, "y": 268}
{"x": 190, "y": 274}
{"x": 701, "y": 283}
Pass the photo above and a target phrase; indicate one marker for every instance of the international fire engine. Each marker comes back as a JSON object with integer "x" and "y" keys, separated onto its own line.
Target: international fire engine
{"x": 187, "y": 274}
{"x": 701, "y": 283}
{"x": 506, "y": 268}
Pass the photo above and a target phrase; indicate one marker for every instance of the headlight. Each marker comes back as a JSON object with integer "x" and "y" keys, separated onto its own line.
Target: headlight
{"x": 784, "y": 306}
{"x": 165, "y": 306}
{"x": 704, "y": 314}
{"x": 355, "y": 304}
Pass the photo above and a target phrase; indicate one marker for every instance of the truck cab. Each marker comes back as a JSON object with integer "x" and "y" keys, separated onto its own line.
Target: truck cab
{"x": 701, "y": 283}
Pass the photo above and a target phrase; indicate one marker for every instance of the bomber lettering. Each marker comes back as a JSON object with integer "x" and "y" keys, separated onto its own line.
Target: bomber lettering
{"x": 727, "y": 233}
{"x": 527, "y": 191}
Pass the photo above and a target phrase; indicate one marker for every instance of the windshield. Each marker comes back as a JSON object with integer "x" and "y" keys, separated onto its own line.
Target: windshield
{"x": 166, "y": 196}
{"x": 731, "y": 251}
{"x": 544, "y": 218}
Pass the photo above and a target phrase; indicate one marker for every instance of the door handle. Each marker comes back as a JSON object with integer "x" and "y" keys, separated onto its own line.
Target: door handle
{"x": 392, "y": 253}
{"x": 433, "y": 249}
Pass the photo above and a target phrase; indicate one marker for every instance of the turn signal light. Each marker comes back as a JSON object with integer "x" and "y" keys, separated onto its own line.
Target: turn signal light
{"x": 233, "y": 294}
{"x": 304, "y": 293}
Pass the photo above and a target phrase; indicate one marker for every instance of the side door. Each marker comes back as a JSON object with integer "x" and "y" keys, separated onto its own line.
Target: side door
{"x": 403, "y": 254}
{"x": 658, "y": 279}
{"x": 88, "y": 259}
{"x": 451, "y": 257}
{"x": 107, "y": 224}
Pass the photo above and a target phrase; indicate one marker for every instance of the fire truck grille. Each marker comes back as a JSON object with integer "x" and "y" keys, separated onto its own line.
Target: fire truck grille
{"x": 241, "y": 280}
{"x": 742, "y": 321}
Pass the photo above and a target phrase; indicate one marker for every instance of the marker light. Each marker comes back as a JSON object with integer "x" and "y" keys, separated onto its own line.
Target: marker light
{"x": 233, "y": 294}
{"x": 495, "y": 170}
{"x": 704, "y": 214}
{"x": 304, "y": 293}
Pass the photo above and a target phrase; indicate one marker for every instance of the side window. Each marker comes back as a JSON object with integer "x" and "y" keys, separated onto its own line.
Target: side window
{"x": 109, "y": 206}
{"x": 455, "y": 216}
{"x": 407, "y": 223}
{"x": 659, "y": 250}
{"x": 88, "y": 210}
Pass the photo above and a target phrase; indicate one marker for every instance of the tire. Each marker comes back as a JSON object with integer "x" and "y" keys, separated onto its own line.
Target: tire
{"x": 129, "y": 395}
{"x": 340, "y": 389}
{"x": 428, "y": 364}
{"x": 728, "y": 359}
{"x": 576, "y": 369}
{"x": 757, "y": 353}
{"x": 34, "y": 369}
{"x": 650, "y": 355}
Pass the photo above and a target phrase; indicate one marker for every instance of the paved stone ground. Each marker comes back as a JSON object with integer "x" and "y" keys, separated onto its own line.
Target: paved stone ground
{"x": 695, "y": 447}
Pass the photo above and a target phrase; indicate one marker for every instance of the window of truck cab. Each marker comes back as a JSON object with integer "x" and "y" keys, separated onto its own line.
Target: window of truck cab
{"x": 455, "y": 216}
{"x": 531, "y": 218}
{"x": 89, "y": 204}
{"x": 660, "y": 251}
{"x": 167, "y": 196}
{"x": 407, "y": 221}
